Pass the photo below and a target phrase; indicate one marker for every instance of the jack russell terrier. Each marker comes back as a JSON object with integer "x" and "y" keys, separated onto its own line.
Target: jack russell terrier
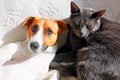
{"x": 30, "y": 59}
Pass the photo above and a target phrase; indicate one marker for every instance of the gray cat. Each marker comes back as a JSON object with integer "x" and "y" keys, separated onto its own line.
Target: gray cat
{"x": 84, "y": 21}
{"x": 99, "y": 58}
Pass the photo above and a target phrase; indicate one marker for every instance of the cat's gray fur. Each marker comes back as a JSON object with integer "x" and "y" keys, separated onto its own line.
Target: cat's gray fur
{"x": 100, "y": 58}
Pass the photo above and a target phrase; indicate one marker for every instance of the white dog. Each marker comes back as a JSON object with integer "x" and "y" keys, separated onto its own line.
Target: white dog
{"x": 30, "y": 59}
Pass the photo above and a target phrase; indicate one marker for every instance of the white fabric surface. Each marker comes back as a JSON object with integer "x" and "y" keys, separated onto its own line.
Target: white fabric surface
{"x": 13, "y": 12}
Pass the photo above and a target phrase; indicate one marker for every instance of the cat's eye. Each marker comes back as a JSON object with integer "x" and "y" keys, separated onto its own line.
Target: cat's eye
{"x": 34, "y": 28}
{"x": 49, "y": 32}
{"x": 88, "y": 27}
{"x": 77, "y": 25}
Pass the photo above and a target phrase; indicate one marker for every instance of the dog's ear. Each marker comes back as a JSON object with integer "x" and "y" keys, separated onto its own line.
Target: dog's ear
{"x": 97, "y": 15}
{"x": 74, "y": 8}
{"x": 62, "y": 26}
{"x": 28, "y": 21}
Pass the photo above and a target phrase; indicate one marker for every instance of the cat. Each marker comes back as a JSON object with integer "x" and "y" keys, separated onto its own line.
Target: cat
{"x": 100, "y": 58}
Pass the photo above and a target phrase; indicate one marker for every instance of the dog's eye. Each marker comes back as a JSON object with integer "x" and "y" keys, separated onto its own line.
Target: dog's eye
{"x": 34, "y": 28}
{"x": 49, "y": 32}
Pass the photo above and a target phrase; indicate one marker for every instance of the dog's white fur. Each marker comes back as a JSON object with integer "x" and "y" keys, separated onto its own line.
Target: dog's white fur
{"x": 18, "y": 63}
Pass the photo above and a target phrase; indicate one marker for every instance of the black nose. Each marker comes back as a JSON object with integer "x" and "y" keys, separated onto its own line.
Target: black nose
{"x": 34, "y": 45}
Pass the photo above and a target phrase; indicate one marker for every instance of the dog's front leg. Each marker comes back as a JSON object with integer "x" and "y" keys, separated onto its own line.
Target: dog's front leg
{"x": 51, "y": 75}
{"x": 6, "y": 52}
{"x": 54, "y": 75}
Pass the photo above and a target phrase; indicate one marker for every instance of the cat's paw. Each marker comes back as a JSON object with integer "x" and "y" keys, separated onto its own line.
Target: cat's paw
{"x": 81, "y": 63}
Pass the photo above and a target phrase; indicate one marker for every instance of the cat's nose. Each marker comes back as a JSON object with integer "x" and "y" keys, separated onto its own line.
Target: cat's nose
{"x": 80, "y": 33}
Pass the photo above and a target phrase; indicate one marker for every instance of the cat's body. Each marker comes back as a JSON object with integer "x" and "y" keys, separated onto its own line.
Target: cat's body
{"x": 102, "y": 56}
{"x": 99, "y": 59}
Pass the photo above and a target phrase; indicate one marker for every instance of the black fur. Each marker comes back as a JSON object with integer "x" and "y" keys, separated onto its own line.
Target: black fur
{"x": 65, "y": 60}
{"x": 75, "y": 41}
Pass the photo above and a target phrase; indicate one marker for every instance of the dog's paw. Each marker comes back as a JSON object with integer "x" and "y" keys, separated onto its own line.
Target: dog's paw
{"x": 51, "y": 75}
{"x": 6, "y": 52}
{"x": 54, "y": 75}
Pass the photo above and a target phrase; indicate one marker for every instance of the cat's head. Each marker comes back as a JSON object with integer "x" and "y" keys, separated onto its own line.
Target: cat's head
{"x": 84, "y": 21}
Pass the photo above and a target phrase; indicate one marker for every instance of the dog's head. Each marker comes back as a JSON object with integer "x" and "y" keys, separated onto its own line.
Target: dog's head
{"x": 42, "y": 32}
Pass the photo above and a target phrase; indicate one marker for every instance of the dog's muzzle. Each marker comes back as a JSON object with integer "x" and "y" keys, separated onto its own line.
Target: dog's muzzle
{"x": 35, "y": 47}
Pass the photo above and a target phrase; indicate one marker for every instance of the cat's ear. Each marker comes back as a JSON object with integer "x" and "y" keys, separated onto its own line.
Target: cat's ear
{"x": 97, "y": 15}
{"x": 74, "y": 8}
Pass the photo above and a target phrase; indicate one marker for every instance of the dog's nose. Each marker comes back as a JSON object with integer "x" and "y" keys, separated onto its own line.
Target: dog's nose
{"x": 34, "y": 45}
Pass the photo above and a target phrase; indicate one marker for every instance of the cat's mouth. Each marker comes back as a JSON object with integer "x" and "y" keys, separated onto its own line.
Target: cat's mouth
{"x": 78, "y": 35}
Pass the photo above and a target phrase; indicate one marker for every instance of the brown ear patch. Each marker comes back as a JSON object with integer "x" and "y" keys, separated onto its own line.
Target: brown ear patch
{"x": 32, "y": 25}
{"x": 28, "y": 21}
{"x": 62, "y": 26}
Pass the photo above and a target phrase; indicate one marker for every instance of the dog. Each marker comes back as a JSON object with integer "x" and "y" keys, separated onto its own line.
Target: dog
{"x": 99, "y": 58}
{"x": 31, "y": 58}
